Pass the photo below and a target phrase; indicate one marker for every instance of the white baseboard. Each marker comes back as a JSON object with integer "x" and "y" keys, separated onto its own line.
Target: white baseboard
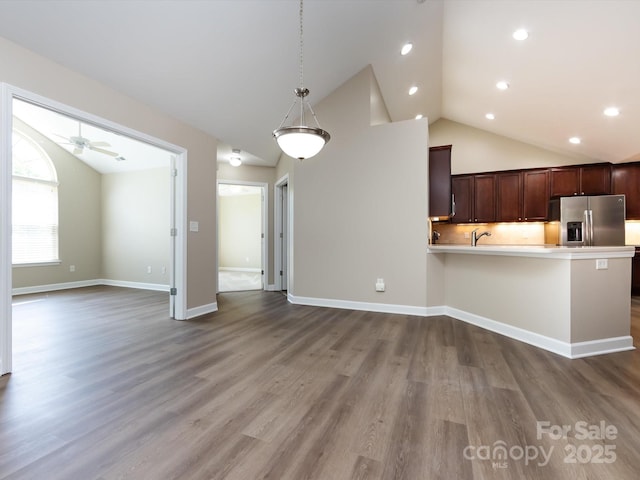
{"x": 202, "y": 310}
{"x": 351, "y": 305}
{"x": 88, "y": 283}
{"x": 239, "y": 269}
{"x": 568, "y": 350}
{"x": 54, "y": 286}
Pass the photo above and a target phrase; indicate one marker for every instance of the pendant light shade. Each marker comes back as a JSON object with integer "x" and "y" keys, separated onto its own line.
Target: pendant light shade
{"x": 301, "y": 141}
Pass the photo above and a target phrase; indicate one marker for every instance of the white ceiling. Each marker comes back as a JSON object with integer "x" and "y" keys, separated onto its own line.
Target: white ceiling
{"x": 132, "y": 155}
{"x": 229, "y": 67}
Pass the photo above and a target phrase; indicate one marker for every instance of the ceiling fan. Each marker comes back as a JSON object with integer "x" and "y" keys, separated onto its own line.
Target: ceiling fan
{"x": 80, "y": 143}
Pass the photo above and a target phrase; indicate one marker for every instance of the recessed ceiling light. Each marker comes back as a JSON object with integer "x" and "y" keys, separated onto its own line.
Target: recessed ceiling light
{"x": 520, "y": 34}
{"x": 419, "y": 116}
{"x": 406, "y": 48}
{"x": 490, "y": 116}
{"x": 611, "y": 112}
{"x": 575, "y": 140}
{"x": 413, "y": 90}
{"x": 502, "y": 85}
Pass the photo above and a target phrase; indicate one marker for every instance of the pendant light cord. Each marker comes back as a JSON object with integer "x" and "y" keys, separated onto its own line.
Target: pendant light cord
{"x": 301, "y": 50}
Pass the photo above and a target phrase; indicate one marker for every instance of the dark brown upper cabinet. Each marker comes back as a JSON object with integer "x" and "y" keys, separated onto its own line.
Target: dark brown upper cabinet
{"x": 535, "y": 195}
{"x": 462, "y": 189}
{"x": 440, "y": 181}
{"x": 509, "y": 197}
{"x": 581, "y": 180}
{"x": 626, "y": 180}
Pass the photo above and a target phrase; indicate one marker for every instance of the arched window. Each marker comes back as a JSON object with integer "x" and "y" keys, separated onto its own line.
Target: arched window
{"x": 34, "y": 204}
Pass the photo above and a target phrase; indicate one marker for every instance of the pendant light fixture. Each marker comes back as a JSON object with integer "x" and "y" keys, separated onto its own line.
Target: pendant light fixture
{"x": 301, "y": 141}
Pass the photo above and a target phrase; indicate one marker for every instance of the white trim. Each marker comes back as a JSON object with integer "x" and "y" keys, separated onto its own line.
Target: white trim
{"x": 538, "y": 251}
{"x": 352, "y": 305}
{"x": 568, "y": 350}
{"x": 271, "y": 288}
{"x": 52, "y": 287}
{"x": 239, "y": 269}
{"x": 6, "y": 111}
{"x": 202, "y": 310}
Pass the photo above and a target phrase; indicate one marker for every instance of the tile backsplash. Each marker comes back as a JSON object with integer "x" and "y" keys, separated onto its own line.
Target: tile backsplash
{"x": 521, "y": 233}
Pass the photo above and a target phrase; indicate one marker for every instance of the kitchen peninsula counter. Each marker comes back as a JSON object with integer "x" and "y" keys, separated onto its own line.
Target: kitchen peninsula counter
{"x": 574, "y": 301}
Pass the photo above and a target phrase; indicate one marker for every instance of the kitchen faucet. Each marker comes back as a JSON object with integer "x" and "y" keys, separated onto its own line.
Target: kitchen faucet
{"x": 475, "y": 238}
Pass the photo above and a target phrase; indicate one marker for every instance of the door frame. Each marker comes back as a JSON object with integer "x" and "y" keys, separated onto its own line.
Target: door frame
{"x": 178, "y": 272}
{"x": 282, "y": 226}
{"x": 264, "y": 208}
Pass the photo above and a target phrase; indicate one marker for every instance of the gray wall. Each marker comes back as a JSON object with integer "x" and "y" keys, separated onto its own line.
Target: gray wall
{"x": 136, "y": 224}
{"x": 360, "y": 206}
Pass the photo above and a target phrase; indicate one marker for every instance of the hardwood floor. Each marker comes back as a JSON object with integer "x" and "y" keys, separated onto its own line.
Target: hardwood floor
{"x": 106, "y": 386}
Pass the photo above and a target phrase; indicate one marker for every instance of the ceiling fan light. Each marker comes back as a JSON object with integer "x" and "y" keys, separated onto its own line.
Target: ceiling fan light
{"x": 301, "y": 142}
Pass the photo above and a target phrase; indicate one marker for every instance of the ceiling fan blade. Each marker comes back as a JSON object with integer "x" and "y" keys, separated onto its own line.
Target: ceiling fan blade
{"x": 61, "y": 136}
{"x": 101, "y": 150}
{"x": 77, "y": 150}
{"x": 100, "y": 144}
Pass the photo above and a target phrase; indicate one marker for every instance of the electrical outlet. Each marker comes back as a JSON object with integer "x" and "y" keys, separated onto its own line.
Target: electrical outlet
{"x": 466, "y": 235}
{"x": 149, "y": 269}
{"x": 72, "y": 268}
{"x": 380, "y": 285}
{"x": 602, "y": 264}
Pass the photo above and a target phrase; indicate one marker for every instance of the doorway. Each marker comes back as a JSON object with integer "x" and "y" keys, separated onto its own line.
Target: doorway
{"x": 176, "y": 263}
{"x": 282, "y": 222}
{"x": 241, "y": 235}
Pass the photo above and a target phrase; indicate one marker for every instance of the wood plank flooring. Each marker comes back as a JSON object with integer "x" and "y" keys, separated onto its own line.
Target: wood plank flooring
{"x": 106, "y": 386}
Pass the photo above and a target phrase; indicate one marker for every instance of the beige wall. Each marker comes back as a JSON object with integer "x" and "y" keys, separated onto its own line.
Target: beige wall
{"x": 360, "y": 206}
{"x": 476, "y": 150}
{"x": 79, "y": 221}
{"x": 24, "y": 69}
{"x": 240, "y": 227}
{"x": 135, "y": 224}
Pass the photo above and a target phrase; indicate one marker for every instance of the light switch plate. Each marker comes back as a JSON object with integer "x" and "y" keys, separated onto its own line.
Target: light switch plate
{"x": 194, "y": 226}
{"x": 602, "y": 264}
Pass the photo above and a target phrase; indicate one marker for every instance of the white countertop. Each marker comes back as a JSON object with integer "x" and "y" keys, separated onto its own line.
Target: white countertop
{"x": 539, "y": 251}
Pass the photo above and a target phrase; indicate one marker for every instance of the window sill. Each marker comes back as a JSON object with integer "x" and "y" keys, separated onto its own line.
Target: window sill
{"x": 37, "y": 264}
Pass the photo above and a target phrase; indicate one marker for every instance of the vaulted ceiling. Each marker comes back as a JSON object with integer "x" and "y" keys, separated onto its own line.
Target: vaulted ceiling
{"x": 228, "y": 67}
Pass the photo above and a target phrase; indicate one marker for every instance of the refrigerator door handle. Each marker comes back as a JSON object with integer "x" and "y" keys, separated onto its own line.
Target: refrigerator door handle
{"x": 586, "y": 233}
{"x": 590, "y": 228}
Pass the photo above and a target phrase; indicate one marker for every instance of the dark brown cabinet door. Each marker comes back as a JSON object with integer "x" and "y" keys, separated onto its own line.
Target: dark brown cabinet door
{"x": 581, "y": 180}
{"x": 440, "y": 181}
{"x": 535, "y": 195}
{"x": 595, "y": 180}
{"x": 462, "y": 189}
{"x": 484, "y": 196}
{"x": 635, "y": 273}
{"x": 626, "y": 180}
{"x": 565, "y": 181}
{"x": 509, "y": 197}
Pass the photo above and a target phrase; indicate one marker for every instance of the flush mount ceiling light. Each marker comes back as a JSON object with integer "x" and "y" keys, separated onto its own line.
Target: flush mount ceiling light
{"x": 520, "y": 34}
{"x": 419, "y": 116}
{"x": 406, "y": 48}
{"x": 413, "y": 90}
{"x": 502, "y": 85}
{"x": 235, "y": 160}
{"x": 575, "y": 140}
{"x": 612, "y": 111}
{"x": 301, "y": 141}
{"x": 490, "y": 116}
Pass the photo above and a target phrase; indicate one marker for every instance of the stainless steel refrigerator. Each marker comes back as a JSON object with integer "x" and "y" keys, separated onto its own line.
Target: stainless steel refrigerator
{"x": 587, "y": 221}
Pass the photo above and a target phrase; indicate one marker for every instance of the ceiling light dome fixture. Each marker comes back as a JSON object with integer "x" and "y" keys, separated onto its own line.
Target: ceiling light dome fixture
{"x": 301, "y": 141}
{"x": 575, "y": 140}
{"x": 612, "y": 111}
{"x": 235, "y": 160}
{"x": 502, "y": 85}
{"x": 520, "y": 34}
{"x": 406, "y": 48}
{"x": 413, "y": 90}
